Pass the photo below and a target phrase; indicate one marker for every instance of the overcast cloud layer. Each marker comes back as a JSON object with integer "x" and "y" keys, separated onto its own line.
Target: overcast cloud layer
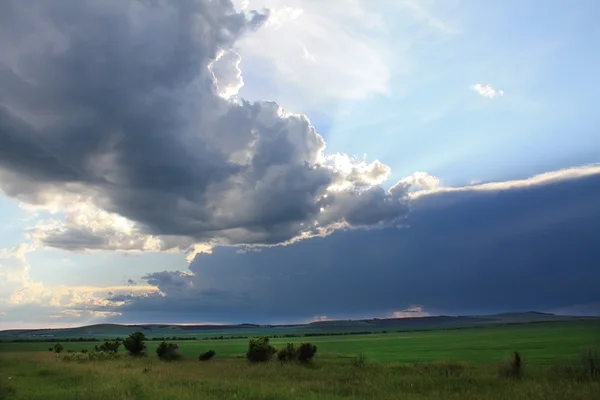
{"x": 516, "y": 247}
{"x": 123, "y": 115}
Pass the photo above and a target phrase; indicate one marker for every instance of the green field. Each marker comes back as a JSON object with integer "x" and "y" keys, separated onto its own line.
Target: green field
{"x": 438, "y": 364}
{"x": 540, "y": 343}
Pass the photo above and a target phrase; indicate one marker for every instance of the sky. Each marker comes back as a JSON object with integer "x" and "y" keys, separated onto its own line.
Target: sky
{"x": 285, "y": 161}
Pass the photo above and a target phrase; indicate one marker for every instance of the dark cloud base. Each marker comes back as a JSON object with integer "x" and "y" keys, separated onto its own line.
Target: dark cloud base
{"x": 469, "y": 252}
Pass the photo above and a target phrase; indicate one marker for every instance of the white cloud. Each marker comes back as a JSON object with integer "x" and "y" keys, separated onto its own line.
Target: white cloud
{"x": 314, "y": 48}
{"x": 425, "y": 10}
{"x": 85, "y": 303}
{"x": 540, "y": 179}
{"x": 354, "y": 172}
{"x": 414, "y": 311}
{"x": 421, "y": 181}
{"x": 311, "y": 52}
{"x": 227, "y": 73}
{"x": 86, "y": 227}
{"x": 84, "y": 314}
{"x": 487, "y": 90}
{"x": 14, "y": 272}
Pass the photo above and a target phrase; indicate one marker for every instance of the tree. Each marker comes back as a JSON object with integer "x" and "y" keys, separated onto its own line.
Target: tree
{"x": 58, "y": 348}
{"x": 288, "y": 353}
{"x": 259, "y": 349}
{"x": 306, "y": 352}
{"x": 168, "y": 351}
{"x": 135, "y": 344}
{"x": 109, "y": 346}
{"x": 207, "y": 355}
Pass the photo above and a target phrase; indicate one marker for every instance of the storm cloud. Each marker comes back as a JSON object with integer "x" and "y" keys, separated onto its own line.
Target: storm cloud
{"x": 528, "y": 245}
{"x": 122, "y": 119}
{"x": 124, "y": 115}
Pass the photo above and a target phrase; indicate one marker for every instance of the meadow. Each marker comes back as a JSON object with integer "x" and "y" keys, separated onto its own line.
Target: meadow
{"x": 437, "y": 364}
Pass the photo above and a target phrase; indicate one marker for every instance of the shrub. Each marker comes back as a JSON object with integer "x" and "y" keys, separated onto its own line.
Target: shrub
{"x": 207, "y": 355}
{"x": 168, "y": 351}
{"x": 93, "y": 356}
{"x": 58, "y": 348}
{"x": 50, "y": 349}
{"x": 591, "y": 363}
{"x": 135, "y": 344}
{"x": 567, "y": 370}
{"x": 513, "y": 367}
{"x": 585, "y": 369}
{"x": 306, "y": 352}
{"x": 288, "y": 353}
{"x": 259, "y": 349}
{"x": 110, "y": 346}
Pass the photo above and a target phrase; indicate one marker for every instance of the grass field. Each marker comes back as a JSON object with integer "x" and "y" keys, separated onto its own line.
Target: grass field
{"x": 443, "y": 364}
{"x": 540, "y": 344}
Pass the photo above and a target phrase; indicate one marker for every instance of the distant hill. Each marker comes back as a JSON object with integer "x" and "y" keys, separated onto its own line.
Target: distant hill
{"x": 365, "y": 325}
{"x": 442, "y": 321}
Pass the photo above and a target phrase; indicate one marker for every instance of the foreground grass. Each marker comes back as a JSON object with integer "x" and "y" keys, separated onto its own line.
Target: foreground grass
{"x": 45, "y": 376}
{"x": 542, "y": 343}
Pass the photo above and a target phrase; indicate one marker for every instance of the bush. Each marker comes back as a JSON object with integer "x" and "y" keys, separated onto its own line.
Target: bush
{"x": 207, "y": 355}
{"x": 306, "y": 352}
{"x": 109, "y": 346}
{"x": 168, "y": 351}
{"x": 585, "y": 369}
{"x": 58, "y": 348}
{"x": 93, "y": 356}
{"x": 135, "y": 344}
{"x": 259, "y": 349}
{"x": 288, "y": 353}
{"x": 513, "y": 367}
{"x": 591, "y": 363}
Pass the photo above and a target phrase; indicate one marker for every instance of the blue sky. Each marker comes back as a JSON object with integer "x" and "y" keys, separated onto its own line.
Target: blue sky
{"x": 107, "y": 199}
{"x": 541, "y": 54}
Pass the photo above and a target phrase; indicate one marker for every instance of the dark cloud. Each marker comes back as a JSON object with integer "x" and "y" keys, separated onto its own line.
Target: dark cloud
{"x": 528, "y": 247}
{"x": 125, "y": 105}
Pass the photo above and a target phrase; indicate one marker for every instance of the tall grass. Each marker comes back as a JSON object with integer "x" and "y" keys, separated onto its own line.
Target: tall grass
{"x": 513, "y": 367}
{"x": 585, "y": 368}
{"x": 44, "y": 376}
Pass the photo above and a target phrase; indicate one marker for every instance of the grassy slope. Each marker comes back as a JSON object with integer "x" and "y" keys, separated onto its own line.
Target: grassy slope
{"x": 37, "y": 376}
{"x": 540, "y": 344}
